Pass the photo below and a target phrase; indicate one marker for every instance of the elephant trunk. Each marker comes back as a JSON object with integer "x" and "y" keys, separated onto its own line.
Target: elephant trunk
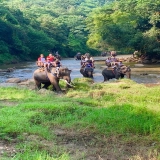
{"x": 68, "y": 79}
{"x": 128, "y": 74}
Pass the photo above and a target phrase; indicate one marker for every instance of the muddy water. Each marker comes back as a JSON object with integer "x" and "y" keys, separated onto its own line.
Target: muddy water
{"x": 140, "y": 74}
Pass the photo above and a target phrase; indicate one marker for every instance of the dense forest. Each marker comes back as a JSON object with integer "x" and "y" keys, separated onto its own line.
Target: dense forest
{"x": 28, "y": 28}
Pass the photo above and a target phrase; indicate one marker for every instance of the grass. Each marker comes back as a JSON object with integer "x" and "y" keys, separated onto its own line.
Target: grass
{"x": 122, "y": 109}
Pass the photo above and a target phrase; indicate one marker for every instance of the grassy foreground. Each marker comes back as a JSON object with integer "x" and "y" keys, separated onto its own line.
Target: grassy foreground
{"x": 116, "y": 120}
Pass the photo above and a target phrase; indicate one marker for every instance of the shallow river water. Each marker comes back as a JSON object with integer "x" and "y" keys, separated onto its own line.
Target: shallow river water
{"x": 140, "y": 74}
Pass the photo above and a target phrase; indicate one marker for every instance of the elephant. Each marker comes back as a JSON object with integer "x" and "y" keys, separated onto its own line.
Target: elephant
{"x": 104, "y": 54}
{"x": 87, "y": 72}
{"x": 46, "y": 77}
{"x": 116, "y": 73}
{"x": 78, "y": 56}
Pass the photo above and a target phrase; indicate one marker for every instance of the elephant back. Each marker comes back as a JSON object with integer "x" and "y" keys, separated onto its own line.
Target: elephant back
{"x": 89, "y": 69}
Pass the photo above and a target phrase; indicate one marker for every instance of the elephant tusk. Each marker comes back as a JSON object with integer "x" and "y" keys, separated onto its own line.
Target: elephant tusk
{"x": 72, "y": 83}
{"x": 68, "y": 83}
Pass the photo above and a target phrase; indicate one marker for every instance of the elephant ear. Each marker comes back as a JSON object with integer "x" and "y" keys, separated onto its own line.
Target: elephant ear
{"x": 64, "y": 71}
{"x": 67, "y": 71}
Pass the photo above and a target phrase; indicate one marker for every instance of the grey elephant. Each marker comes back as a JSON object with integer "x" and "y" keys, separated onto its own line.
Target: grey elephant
{"x": 116, "y": 73}
{"x": 87, "y": 72}
{"x": 104, "y": 54}
{"x": 50, "y": 78}
{"x": 78, "y": 56}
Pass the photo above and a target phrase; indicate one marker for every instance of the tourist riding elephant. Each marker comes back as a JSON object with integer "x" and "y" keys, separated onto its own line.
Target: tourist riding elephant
{"x": 116, "y": 73}
{"x": 87, "y": 72}
{"x": 50, "y": 77}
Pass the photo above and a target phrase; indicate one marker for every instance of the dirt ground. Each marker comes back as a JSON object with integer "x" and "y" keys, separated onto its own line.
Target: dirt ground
{"x": 88, "y": 146}
{"x": 93, "y": 147}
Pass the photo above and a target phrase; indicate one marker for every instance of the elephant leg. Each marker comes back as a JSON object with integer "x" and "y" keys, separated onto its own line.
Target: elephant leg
{"x": 106, "y": 79}
{"x": 38, "y": 84}
{"x": 53, "y": 88}
{"x": 57, "y": 87}
{"x": 122, "y": 75}
{"x": 91, "y": 74}
{"x": 46, "y": 85}
{"x": 55, "y": 83}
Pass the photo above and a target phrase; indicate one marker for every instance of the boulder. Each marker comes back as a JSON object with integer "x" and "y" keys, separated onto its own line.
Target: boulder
{"x": 8, "y": 70}
{"x": 13, "y": 80}
{"x": 27, "y": 82}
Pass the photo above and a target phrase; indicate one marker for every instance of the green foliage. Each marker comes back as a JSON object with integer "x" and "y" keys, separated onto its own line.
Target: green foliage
{"x": 38, "y": 26}
{"x": 7, "y": 16}
{"x": 38, "y": 42}
{"x": 28, "y": 28}
{"x": 126, "y": 26}
{"x": 3, "y": 47}
{"x": 34, "y": 154}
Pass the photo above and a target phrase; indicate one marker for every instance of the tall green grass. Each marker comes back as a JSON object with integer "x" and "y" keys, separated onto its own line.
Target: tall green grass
{"x": 118, "y": 108}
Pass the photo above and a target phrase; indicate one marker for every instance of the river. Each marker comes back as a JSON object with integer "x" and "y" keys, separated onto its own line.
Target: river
{"x": 140, "y": 74}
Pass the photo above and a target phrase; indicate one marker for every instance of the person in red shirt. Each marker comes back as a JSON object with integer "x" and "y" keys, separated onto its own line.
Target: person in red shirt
{"x": 49, "y": 60}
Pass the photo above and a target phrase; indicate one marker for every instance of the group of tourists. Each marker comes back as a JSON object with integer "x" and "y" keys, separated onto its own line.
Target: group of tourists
{"x": 113, "y": 62}
{"x": 49, "y": 61}
{"x": 87, "y": 61}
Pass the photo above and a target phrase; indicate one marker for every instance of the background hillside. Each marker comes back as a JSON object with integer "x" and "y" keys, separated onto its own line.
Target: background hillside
{"x": 28, "y": 28}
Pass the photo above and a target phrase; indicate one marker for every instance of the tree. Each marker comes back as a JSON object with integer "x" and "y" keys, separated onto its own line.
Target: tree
{"x": 126, "y": 26}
